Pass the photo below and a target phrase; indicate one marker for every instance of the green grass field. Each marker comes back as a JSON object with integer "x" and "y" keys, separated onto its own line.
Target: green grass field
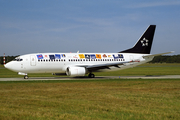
{"x": 120, "y": 99}
{"x": 93, "y": 99}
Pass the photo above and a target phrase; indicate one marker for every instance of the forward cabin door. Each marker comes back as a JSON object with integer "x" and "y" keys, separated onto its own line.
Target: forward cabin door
{"x": 33, "y": 60}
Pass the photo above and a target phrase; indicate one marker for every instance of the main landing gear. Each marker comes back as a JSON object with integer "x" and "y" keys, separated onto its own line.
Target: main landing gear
{"x": 26, "y": 77}
{"x": 91, "y": 75}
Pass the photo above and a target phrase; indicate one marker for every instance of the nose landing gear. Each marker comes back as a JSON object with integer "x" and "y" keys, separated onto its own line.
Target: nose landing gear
{"x": 26, "y": 77}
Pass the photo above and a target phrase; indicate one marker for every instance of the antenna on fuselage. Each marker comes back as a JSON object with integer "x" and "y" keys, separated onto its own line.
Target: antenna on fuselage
{"x": 78, "y": 51}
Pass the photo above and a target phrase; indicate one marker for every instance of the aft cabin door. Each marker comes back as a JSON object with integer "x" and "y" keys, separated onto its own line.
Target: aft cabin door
{"x": 131, "y": 57}
{"x": 33, "y": 60}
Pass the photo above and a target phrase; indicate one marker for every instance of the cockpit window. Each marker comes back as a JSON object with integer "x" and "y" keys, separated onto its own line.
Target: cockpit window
{"x": 18, "y": 59}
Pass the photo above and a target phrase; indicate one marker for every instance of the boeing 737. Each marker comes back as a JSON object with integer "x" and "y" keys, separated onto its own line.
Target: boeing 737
{"x": 80, "y": 64}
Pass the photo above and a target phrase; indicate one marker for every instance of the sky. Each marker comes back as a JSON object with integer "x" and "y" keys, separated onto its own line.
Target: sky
{"x": 103, "y": 26}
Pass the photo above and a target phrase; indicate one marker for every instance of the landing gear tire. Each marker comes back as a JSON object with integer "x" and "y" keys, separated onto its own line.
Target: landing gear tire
{"x": 26, "y": 77}
{"x": 91, "y": 75}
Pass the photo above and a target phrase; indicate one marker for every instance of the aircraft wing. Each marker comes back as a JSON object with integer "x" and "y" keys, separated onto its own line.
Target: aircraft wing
{"x": 107, "y": 66}
{"x": 103, "y": 66}
{"x": 147, "y": 56}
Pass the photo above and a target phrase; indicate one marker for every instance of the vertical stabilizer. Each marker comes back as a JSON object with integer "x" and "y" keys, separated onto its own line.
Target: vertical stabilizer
{"x": 143, "y": 46}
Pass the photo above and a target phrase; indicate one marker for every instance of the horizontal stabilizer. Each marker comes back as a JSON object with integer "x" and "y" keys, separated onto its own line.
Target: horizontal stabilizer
{"x": 157, "y": 54}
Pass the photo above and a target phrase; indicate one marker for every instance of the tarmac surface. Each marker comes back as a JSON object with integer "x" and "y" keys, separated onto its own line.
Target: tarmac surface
{"x": 96, "y": 78}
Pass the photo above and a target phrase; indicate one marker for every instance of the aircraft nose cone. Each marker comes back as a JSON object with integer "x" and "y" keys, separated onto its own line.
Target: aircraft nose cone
{"x": 6, "y": 66}
{"x": 11, "y": 66}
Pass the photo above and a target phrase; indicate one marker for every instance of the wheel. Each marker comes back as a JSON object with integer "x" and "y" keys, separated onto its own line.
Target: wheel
{"x": 91, "y": 75}
{"x": 25, "y": 77}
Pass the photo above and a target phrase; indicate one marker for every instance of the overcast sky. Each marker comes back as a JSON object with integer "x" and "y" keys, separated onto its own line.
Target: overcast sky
{"x": 34, "y": 26}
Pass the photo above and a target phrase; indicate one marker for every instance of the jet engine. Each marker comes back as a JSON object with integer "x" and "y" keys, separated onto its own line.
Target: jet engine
{"x": 76, "y": 71}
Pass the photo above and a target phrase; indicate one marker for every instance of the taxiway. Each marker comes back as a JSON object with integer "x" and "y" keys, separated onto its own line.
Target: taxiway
{"x": 96, "y": 78}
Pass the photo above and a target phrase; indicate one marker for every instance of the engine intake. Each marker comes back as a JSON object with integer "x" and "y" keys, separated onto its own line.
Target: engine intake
{"x": 76, "y": 71}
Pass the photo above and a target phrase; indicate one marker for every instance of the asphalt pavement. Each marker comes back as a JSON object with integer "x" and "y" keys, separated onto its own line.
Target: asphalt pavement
{"x": 96, "y": 78}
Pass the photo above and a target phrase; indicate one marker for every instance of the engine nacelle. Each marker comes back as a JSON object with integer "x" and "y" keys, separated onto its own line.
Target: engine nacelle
{"x": 76, "y": 71}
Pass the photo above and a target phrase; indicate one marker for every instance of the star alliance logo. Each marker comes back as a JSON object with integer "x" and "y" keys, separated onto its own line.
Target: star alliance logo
{"x": 144, "y": 42}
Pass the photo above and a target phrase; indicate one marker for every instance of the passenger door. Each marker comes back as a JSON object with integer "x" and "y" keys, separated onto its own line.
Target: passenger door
{"x": 33, "y": 60}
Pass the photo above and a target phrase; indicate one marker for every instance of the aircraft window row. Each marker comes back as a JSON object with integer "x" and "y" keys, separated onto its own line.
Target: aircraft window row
{"x": 96, "y": 60}
{"x": 63, "y": 60}
{"x": 48, "y": 60}
{"x": 18, "y": 60}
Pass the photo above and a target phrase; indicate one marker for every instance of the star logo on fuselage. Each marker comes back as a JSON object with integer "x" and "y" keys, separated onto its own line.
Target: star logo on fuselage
{"x": 144, "y": 42}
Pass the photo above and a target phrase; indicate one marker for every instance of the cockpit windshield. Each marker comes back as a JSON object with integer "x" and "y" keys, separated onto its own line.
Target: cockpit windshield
{"x": 18, "y": 59}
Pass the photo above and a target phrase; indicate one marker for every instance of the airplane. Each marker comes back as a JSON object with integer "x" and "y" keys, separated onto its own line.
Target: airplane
{"x": 80, "y": 64}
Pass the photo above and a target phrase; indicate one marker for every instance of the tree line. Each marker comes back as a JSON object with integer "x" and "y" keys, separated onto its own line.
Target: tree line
{"x": 157, "y": 59}
{"x": 166, "y": 59}
{"x": 7, "y": 59}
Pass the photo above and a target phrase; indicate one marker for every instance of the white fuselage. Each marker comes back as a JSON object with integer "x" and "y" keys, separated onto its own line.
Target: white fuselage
{"x": 59, "y": 62}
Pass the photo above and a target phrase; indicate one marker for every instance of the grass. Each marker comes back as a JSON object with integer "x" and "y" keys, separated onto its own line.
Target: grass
{"x": 145, "y": 69}
{"x": 93, "y": 99}
{"x": 101, "y": 99}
